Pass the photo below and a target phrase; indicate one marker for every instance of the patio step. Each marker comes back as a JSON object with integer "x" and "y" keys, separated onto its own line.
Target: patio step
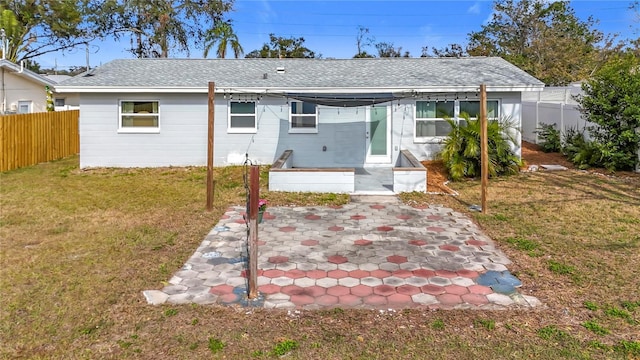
{"x": 385, "y": 199}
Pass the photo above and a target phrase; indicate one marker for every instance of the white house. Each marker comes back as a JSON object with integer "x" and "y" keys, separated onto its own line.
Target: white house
{"x": 346, "y": 113}
{"x": 22, "y": 90}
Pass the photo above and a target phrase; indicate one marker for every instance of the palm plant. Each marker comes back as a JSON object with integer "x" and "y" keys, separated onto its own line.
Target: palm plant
{"x": 461, "y": 151}
{"x": 223, "y": 35}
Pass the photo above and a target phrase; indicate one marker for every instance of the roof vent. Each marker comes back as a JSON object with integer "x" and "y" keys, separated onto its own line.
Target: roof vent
{"x": 265, "y": 76}
{"x": 280, "y": 69}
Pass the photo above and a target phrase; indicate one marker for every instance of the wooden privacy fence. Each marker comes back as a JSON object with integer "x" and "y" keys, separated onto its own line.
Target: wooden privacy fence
{"x": 29, "y": 139}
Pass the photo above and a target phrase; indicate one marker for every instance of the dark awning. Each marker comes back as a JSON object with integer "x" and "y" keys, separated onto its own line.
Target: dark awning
{"x": 346, "y": 100}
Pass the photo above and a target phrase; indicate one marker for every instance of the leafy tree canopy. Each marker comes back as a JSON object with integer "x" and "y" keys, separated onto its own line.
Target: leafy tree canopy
{"x": 544, "y": 38}
{"x": 281, "y": 47}
{"x": 37, "y": 27}
{"x": 224, "y": 36}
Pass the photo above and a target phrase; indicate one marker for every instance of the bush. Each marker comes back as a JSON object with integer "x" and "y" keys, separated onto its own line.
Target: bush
{"x": 461, "y": 151}
{"x": 551, "y": 139}
{"x": 612, "y": 101}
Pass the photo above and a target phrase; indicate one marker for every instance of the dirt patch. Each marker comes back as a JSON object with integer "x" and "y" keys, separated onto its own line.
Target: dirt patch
{"x": 532, "y": 154}
{"x": 437, "y": 176}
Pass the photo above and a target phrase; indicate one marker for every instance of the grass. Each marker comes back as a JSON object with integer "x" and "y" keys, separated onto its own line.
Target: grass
{"x": 78, "y": 247}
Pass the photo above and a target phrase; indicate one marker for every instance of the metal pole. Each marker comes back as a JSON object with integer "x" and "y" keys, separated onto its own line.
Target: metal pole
{"x": 254, "y": 195}
{"x": 484, "y": 146}
{"x": 211, "y": 119}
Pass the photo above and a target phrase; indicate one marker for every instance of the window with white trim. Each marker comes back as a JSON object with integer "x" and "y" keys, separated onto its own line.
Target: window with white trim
{"x": 303, "y": 117}
{"x": 430, "y": 123}
{"x": 59, "y": 101}
{"x": 242, "y": 117}
{"x": 430, "y": 118}
{"x": 24, "y": 106}
{"x": 139, "y": 116}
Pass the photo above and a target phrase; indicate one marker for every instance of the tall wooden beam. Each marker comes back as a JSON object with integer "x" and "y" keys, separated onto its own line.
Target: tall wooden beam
{"x": 484, "y": 146}
{"x": 211, "y": 120}
{"x": 254, "y": 196}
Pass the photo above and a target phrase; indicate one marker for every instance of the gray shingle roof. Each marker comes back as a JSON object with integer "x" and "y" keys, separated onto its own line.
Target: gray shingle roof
{"x": 395, "y": 73}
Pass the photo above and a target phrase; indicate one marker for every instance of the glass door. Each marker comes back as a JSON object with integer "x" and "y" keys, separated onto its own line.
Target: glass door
{"x": 378, "y": 134}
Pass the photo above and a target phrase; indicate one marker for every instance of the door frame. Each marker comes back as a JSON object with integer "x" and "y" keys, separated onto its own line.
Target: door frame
{"x": 377, "y": 159}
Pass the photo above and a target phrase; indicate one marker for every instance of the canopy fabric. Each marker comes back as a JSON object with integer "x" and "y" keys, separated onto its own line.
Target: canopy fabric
{"x": 345, "y": 100}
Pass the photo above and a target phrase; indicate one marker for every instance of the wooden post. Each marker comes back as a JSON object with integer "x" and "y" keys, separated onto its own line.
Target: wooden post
{"x": 484, "y": 146}
{"x": 254, "y": 196}
{"x": 211, "y": 119}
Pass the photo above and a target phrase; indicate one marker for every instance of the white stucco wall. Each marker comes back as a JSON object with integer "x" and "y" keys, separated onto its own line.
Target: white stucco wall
{"x": 17, "y": 88}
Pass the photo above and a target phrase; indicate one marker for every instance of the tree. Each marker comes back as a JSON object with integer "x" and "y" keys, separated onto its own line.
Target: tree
{"x": 158, "y": 26}
{"x": 451, "y": 50}
{"x": 363, "y": 40}
{"x": 388, "y": 50}
{"x": 611, "y": 100}
{"x": 223, "y": 35}
{"x": 37, "y": 27}
{"x": 546, "y": 39}
{"x": 280, "y": 47}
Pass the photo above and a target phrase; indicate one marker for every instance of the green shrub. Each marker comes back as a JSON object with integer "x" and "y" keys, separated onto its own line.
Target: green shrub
{"x": 551, "y": 138}
{"x": 461, "y": 151}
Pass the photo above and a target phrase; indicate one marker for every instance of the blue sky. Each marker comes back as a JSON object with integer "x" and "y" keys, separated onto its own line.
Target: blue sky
{"x": 330, "y": 27}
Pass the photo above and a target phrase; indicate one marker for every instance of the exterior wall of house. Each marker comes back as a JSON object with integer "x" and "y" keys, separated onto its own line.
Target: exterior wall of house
{"x": 403, "y": 129}
{"x": 18, "y": 89}
{"x": 182, "y": 137}
{"x": 182, "y": 140}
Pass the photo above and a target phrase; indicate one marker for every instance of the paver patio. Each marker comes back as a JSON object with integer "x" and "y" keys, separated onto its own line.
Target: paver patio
{"x": 380, "y": 254}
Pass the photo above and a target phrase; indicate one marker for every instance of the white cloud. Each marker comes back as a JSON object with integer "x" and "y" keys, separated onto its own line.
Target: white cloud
{"x": 474, "y": 9}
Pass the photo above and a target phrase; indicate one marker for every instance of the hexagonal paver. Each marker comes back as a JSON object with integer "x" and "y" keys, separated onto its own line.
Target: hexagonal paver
{"x": 404, "y": 217}
{"x": 337, "y": 274}
{"x": 449, "y": 247}
{"x": 358, "y": 217}
{"x": 301, "y": 299}
{"x": 462, "y": 281}
{"x": 359, "y": 274}
{"x": 424, "y": 299}
{"x": 221, "y": 289}
{"x": 369, "y": 267}
{"x": 435, "y": 229}
{"x": 363, "y": 242}
{"x": 446, "y": 273}
{"x": 408, "y": 290}
{"x": 384, "y": 228}
{"x": 309, "y": 242}
{"x": 480, "y": 290}
{"x": 292, "y": 290}
{"x": 402, "y": 273}
{"x": 326, "y": 282}
{"x": 304, "y": 282}
{"x": 312, "y": 217}
{"x": 349, "y": 282}
{"x": 269, "y": 289}
{"x": 417, "y": 242}
{"x": 375, "y": 300}
{"x": 287, "y": 229}
{"x": 326, "y": 300}
{"x": 316, "y": 274}
{"x": 399, "y": 300}
{"x": 335, "y": 228}
{"x": 396, "y": 259}
{"x": 384, "y": 290}
{"x": 474, "y": 242}
{"x": 314, "y": 291}
{"x": 295, "y": 274}
{"x": 424, "y": 273}
{"x": 362, "y": 290}
{"x": 349, "y": 300}
{"x": 338, "y": 290}
{"x": 371, "y": 281}
{"x": 273, "y": 273}
{"x": 467, "y": 273}
{"x": 456, "y": 290}
{"x": 432, "y": 289}
{"x": 380, "y": 274}
{"x": 449, "y": 299}
{"x": 278, "y": 259}
{"x": 337, "y": 259}
{"x": 377, "y": 206}
{"x": 475, "y": 299}
{"x": 434, "y": 217}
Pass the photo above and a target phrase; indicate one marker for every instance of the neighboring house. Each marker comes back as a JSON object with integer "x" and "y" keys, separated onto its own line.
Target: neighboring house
{"x": 64, "y": 101}
{"x": 22, "y": 90}
{"x": 331, "y": 113}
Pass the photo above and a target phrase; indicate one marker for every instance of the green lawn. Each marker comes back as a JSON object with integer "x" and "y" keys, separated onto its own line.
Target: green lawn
{"x": 78, "y": 247}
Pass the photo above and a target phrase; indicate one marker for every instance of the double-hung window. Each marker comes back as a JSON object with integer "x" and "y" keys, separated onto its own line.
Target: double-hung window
{"x": 303, "y": 117}
{"x": 139, "y": 116}
{"x": 242, "y": 117}
{"x": 430, "y": 118}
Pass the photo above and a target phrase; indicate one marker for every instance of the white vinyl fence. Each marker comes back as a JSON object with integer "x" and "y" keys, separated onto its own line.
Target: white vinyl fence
{"x": 553, "y": 106}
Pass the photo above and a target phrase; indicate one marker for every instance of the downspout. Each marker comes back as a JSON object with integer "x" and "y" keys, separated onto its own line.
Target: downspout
{"x": 4, "y": 96}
